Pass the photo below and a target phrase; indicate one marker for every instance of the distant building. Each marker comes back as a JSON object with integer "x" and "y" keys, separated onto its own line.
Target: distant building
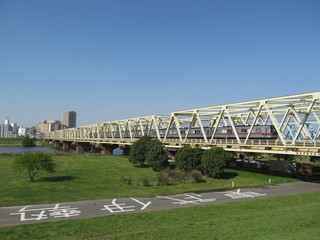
{"x": 6, "y": 121}
{"x": 69, "y": 119}
{"x": 8, "y": 130}
{"x": 48, "y": 126}
{"x": 32, "y": 132}
{"x": 21, "y": 132}
{"x": 14, "y": 128}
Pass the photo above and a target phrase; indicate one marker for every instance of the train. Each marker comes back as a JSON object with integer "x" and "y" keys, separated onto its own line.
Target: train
{"x": 225, "y": 132}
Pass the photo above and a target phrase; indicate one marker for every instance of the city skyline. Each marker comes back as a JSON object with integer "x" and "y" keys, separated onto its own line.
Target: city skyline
{"x": 111, "y": 60}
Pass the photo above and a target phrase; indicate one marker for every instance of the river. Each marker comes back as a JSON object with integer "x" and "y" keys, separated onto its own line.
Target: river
{"x": 17, "y": 149}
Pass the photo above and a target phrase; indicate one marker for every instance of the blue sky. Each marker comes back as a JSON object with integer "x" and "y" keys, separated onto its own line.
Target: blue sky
{"x": 111, "y": 60}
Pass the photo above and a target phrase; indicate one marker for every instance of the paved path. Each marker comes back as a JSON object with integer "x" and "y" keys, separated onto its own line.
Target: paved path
{"x": 86, "y": 209}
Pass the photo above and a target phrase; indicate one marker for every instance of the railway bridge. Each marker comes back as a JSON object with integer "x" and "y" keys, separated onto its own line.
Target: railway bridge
{"x": 279, "y": 125}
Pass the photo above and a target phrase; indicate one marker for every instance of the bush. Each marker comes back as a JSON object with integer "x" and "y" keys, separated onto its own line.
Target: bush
{"x": 213, "y": 161}
{"x": 163, "y": 178}
{"x": 148, "y": 150}
{"x": 126, "y": 179}
{"x": 314, "y": 159}
{"x": 156, "y": 157}
{"x": 284, "y": 157}
{"x": 196, "y": 176}
{"x": 178, "y": 174}
{"x": 145, "y": 182}
{"x": 188, "y": 158}
{"x": 28, "y": 142}
{"x": 139, "y": 151}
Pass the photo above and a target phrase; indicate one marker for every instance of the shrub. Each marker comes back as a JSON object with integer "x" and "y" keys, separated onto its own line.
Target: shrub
{"x": 148, "y": 150}
{"x": 178, "y": 174}
{"x": 145, "y": 182}
{"x": 126, "y": 179}
{"x": 156, "y": 157}
{"x": 139, "y": 151}
{"x": 196, "y": 176}
{"x": 213, "y": 161}
{"x": 163, "y": 178}
{"x": 28, "y": 142}
{"x": 284, "y": 157}
{"x": 188, "y": 158}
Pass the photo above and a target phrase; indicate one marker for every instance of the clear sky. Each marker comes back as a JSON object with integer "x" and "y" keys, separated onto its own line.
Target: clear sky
{"x": 116, "y": 59}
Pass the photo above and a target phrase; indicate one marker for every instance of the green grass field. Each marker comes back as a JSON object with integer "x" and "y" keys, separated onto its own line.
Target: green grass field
{"x": 10, "y": 141}
{"x": 83, "y": 177}
{"x": 286, "y": 217}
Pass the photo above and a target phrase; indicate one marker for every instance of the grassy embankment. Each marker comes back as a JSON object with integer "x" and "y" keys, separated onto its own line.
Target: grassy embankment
{"x": 11, "y": 141}
{"x": 286, "y": 217}
{"x": 82, "y": 177}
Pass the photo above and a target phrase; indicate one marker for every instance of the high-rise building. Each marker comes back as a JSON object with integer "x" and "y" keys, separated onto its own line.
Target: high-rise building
{"x": 8, "y": 130}
{"x": 69, "y": 119}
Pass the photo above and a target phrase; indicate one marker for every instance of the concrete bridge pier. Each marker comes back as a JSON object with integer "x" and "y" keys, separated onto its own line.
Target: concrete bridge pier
{"x": 170, "y": 153}
{"x": 80, "y": 147}
{"x": 65, "y": 145}
{"x": 56, "y": 144}
{"x": 106, "y": 149}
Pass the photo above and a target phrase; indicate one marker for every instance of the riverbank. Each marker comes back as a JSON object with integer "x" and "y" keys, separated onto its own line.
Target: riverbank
{"x": 10, "y": 141}
{"x": 10, "y": 145}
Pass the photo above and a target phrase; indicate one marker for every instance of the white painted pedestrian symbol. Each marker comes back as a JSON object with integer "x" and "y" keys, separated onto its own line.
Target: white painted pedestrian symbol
{"x": 188, "y": 198}
{"x": 123, "y": 207}
{"x": 238, "y": 194}
{"x": 37, "y": 214}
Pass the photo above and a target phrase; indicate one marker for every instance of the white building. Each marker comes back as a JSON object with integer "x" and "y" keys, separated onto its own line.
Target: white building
{"x": 21, "y": 131}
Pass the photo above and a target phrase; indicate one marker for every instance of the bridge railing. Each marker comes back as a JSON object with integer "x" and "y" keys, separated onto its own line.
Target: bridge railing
{"x": 262, "y": 143}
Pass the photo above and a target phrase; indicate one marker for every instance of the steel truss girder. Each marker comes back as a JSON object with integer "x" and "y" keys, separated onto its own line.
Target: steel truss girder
{"x": 299, "y": 110}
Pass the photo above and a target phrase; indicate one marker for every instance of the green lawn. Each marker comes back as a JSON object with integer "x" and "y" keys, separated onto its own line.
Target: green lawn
{"x": 83, "y": 177}
{"x": 286, "y": 217}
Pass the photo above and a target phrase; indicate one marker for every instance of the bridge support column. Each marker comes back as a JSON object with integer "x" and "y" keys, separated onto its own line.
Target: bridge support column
{"x": 65, "y": 146}
{"x": 56, "y": 145}
{"x": 170, "y": 154}
{"x": 79, "y": 147}
{"x": 106, "y": 149}
{"x": 125, "y": 149}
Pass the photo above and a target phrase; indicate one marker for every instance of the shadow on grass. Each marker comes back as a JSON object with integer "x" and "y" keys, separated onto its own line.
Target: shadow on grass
{"x": 57, "y": 179}
{"x": 228, "y": 175}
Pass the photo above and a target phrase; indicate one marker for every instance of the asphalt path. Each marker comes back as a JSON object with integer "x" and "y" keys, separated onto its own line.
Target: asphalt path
{"x": 16, "y": 215}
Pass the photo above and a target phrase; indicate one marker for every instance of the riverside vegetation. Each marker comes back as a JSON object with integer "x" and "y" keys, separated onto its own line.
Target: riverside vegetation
{"x": 79, "y": 177}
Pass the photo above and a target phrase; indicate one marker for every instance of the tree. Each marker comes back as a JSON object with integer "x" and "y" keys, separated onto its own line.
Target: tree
{"x": 28, "y": 142}
{"x": 213, "y": 161}
{"x": 188, "y": 158}
{"x": 139, "y": 151}
{"x": 156, "y": 156}
{"x": 284, "y": 157}
{"x": 32, "y": 162}
{"x": 314, "y": 159}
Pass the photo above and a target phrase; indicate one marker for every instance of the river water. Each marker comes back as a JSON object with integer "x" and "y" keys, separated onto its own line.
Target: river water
{"x": 17, "y": 149}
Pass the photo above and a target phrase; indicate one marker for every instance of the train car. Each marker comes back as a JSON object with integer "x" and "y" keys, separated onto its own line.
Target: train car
{"x": 225, "y": 132}
{"x": 258, "y": 132}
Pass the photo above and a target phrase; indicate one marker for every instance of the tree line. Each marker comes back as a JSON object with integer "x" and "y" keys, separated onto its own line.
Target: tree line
{"x": 150, "y": 152}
